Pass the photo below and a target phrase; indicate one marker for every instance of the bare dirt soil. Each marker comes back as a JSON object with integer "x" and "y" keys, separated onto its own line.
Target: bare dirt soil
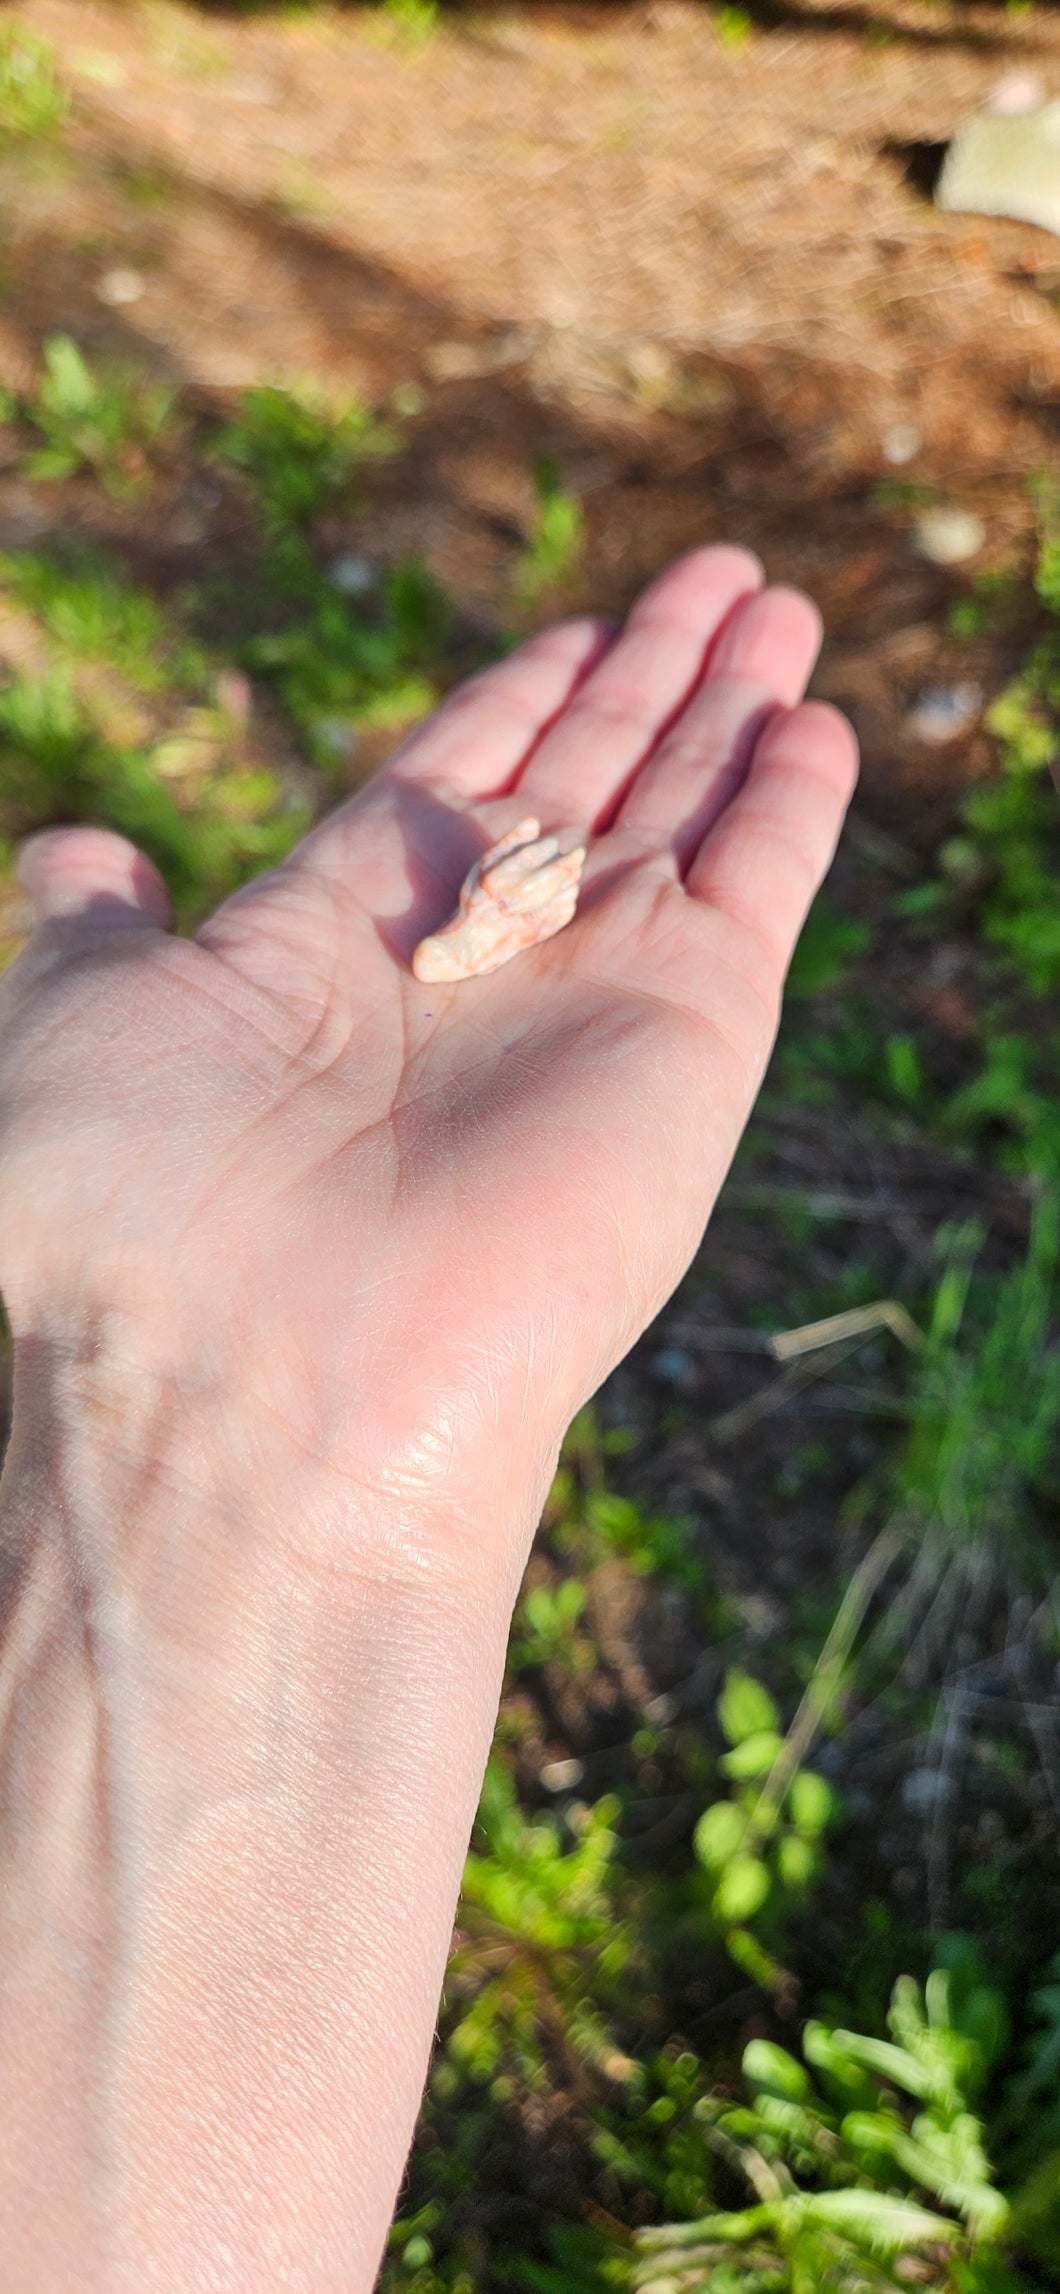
{"x": 704, "y": 276}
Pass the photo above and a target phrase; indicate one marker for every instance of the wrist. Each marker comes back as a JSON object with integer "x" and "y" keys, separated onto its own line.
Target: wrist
{"x": 250, "y": 1698}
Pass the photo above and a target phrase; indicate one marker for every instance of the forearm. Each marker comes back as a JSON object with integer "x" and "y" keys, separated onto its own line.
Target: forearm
{"x": 231, "y": 1847}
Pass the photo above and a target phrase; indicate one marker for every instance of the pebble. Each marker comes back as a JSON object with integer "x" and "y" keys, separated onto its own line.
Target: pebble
{"x": 926, "y": 1789}
{"x": 120, "y": 286}
{"x": 562, "y": 1775}
{"x": 1005, "y": 161}
{"x": 946, "y": 536}
{"x": 943, "y": 712}
{"x": 674, "y": 1365}
{"x": 901, "y": 444}
{"x": 353, "y": 574}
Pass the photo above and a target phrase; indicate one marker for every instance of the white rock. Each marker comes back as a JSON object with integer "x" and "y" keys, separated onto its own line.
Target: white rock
{"x": 1005, "y": 162}
{"x": 943, "y": 713}
{"x": 120, "y": 286}
{"x": 353, "y": 574}
{"x": 947, "y": 536}
{"x": 561, "y": 1775}
{"x": 901, "y": 443}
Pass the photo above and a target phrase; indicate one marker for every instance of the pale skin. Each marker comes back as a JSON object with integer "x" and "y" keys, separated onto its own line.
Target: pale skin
{"x": 309, "y": 1265}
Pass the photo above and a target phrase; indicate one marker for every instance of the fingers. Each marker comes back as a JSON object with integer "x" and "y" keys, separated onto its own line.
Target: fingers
{"x": 762, "y": 863}
{"x": 580, "y": 768}
{"x": 479, "y": 738}
{"x": 762, "y": 660}
{"x": 92, "y": 878}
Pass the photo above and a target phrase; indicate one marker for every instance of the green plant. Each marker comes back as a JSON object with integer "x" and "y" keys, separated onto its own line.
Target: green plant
{"x": 849, "y": 2171}
{"x": 300, "y": 449}
{"x": 555, "y": 540}
{"x": 32, "y": 101}
{"x": 542, "y": 1949}
{"x": 417, "y": 19}
{"x": 94, "y": 615}
{"x": 734, "y": 26}
{"x": 58, "y": 765}
{"x": 761, "y": 1849}
{"x": 111, "y": 423}
{"x": 338, "y": 666}
{"x": 546, "y": 1627}
{"x": 1014, "y": 821}
{"x": 592, "y": 1523}
{"x": 828, "y": 945}
{"x": 985, "y": 1414}
{"x": 1014, "y": 1094}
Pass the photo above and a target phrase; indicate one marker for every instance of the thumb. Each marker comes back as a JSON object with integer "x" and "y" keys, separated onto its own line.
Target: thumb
{"x": 92, "y": 879}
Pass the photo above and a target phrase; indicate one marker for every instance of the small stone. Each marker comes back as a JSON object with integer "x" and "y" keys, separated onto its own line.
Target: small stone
{"x": 522, "y": 891}
{"x": 119, "y": 287}
{"x": 943, "y": 713}
{"x": 674, "y": 1365}
{"x": 1005, "y": 161}
{"x": 562, "y": 1775}
{"x": 901, "y": 444}
{"x": 925, "y": 1790}
{"x": 353, "y": 574}
{"x": 946, "y": 536}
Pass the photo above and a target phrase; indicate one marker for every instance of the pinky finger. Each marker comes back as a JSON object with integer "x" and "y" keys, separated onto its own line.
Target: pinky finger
{"x": 762, "y": 863}
{"x": 93, "y": 879}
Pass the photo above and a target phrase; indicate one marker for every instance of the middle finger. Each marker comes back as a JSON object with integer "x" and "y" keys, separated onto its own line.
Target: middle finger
{"x": 614, "y": 721}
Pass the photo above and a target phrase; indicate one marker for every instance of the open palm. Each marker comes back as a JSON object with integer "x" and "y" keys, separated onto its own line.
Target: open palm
{"x": 426, "y": 1221}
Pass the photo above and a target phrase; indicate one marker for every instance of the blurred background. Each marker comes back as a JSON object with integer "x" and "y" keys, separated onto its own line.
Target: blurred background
{"x": 338, "y": 347}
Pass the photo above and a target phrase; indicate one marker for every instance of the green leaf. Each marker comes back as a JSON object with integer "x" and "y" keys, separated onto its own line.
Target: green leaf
{"x": 70, "y": 384}
{"x": 719, "y": 1834}
{"x": 774, "y": 2072}
{"x": 745, "y": 1708}
{"x": 796, "y": 1861}
{"x": 885, "y": 2224}
{"x": 742, "y": 1890}
{"x": 754, "y": 1756}
{"x": 890, "y": 2062}
{"x": 812, "y": 1802}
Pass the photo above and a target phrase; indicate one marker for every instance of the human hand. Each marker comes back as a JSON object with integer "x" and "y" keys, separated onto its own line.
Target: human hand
{"x": 308, "y": 1266}
{"x": 421, "y": 1224}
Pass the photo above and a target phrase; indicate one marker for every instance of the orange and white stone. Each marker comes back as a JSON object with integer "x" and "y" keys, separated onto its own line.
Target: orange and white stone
{"x": 522, "y": 891}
